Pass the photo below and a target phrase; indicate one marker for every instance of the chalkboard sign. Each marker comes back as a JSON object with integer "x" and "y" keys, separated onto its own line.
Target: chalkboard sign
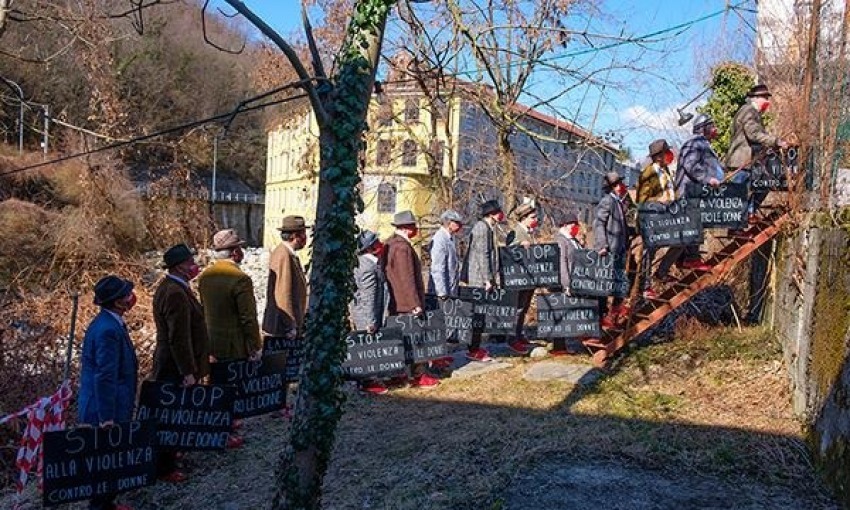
{"x": 771, "y": 172}
{"x": 425, "y": 338}
{"x": 495, "y": 312}
{"x": 458, "y": 316}
{"x": 194, "y": 417}
{"x": 676, "y": 224}
{"x": 260, "y": 384}
{"x": 84, "y": 462}
{"x": 723, "y": 206}
{"x": 376, "y": 353}
{"x": 295, "y": 354}
{"x": 596, "y": 276}
{"x": 532, "y": 267}
{"x": 562, "y": 316}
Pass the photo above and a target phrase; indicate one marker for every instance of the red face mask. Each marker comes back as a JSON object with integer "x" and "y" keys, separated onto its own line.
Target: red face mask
{"x": 412, "y": 233}
{"x": 127, "y": 303}
{"x": 668, "y": 158}
{"x": 764, "y": 106}
{"x": 534, "y": 223}
{"x": 574, "y": 229}
{"x": 192, "y": 272}
{"x": 378, "y": 249}
{"x": 500, "y": 217}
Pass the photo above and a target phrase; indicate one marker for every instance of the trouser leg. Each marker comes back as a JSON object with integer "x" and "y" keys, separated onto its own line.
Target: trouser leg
{"x": 523, "y": 304}
{"x": 646, "y": 259}
{"x": 102, "y": 502}
{"x": 674, "y": 253}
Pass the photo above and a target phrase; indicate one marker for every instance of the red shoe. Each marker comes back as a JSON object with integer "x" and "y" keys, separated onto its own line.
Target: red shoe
{"x": 374, "y": 388}
{"x": 650, "y": 294}
{"x": 520, "y": 346}
{"x": 174, "y": 477}
{"x": 696, "y": 265}
{"x": 236, "y": 425}
{"x": 234, "y": 442}
{"x": 478, "y": 355}
{"x": 425, "y": 381}
{"x": 607, "y": 322}
{"x": 441, "y": 363}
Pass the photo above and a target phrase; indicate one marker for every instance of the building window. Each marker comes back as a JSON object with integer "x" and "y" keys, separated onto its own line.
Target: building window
{"x": 382, "y": 153}
{"x": 411, "y": 111}
{"x": 408, "y": 153}
{"x": 386, "y": 198}
{"x": 438, "y": 149}
{"x": 385, "y": 114}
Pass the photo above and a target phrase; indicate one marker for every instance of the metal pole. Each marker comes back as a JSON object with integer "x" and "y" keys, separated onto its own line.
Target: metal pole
{"x": 21, "y": 126}
{"x": 70, "y": 349}
{"x": 46, "y": 126}
{"x": 215, "y": 164}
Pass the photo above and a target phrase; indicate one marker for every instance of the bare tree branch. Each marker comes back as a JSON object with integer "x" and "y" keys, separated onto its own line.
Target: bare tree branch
{"x": 318, "y": 68}
{"x": 206, "y": 37}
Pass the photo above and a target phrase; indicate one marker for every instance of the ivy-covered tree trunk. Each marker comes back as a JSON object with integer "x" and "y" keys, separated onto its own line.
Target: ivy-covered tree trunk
{"x": 319, "y": 406}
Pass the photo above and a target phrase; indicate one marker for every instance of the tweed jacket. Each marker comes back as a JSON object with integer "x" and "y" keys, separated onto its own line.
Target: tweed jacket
{"x": 481, "y": 263}
{"x": 697, "y": 163}
{"x": 404, "y": 276}
{"x": 368, "y": 306}
{"x": 650, "y": 187}
{"x": 748, "y": 136}
{"x": 182, "y": 344}
{"x": 286, "y": 294}
{"x": 568, "y": 246}
{"x": 445, "y": 268}
{"x": 609, "y": 225}
{"x": 519, "y": 235}
{"x": 230, "y": 310}
{"x": 108, "y": 372}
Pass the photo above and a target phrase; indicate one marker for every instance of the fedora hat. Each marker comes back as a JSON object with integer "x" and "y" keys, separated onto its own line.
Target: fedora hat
{"x": 293, "y": 224}
{"x": 524, "y": 211}
{"x": 702, "y": 120}
{"x": 611, "y": 179}
{"x": 109, "y": 288}
{"x": 490, "y": 207}
{"x": 226, "y": 239}
{"x": 365, "y": 240}
{"x": 176, "y": 254}
{"x": 451, "y": 215}
{"x": 658, "y": 147}
{"x": 403, "y": 218}
{"x": 567, "y": 218}
{"x": 759, "y": 90}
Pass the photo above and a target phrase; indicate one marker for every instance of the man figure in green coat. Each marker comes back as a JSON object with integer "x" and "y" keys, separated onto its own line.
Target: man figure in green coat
{"x": 230, "y": 309}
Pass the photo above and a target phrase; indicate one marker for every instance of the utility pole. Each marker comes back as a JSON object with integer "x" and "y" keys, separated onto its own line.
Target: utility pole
{"x": 46, "y": 127}
{"x": 214, "y": 169}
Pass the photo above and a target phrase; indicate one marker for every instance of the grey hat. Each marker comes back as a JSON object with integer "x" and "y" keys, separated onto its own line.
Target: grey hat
{"x": 611, "y": 179}
{"x": 451, "y": 215}
{"x": 701, "y": 121}
{"x": 403, "y": 218}
{"x": 567, "y": 218}
{"x": 365, "y": 240}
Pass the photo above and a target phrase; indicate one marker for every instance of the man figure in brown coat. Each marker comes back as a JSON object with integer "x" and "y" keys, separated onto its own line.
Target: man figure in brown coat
{"x": 404, "y": 280}
{"x": 230, "y": 309}
{"x": 286, "y": 294}
{"x": 182, "y": 344}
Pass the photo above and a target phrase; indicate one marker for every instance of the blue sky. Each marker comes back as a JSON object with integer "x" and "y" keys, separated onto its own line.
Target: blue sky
{"x": 647, "y": 83}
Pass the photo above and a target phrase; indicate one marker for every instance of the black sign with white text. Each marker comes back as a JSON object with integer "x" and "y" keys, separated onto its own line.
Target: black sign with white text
{"x": 458, "y": 316}
{"x": 293, "y": 350}
{"x": 260, "y": 384}
{"x": 425, "y": 337}
{"x": 562, "y": 316}
{"x": 675, "y": 224}
{"x": 495, "y": 310}
{"x": 723, "y": 206}
{"x": 771, "y": 172}
{"x": 84, "y": 462}
{"x": 196, "y": 417}
{"x": 370, "y": 354}
{"x": 593, "y": 275}
{"x": 532, "y": 267}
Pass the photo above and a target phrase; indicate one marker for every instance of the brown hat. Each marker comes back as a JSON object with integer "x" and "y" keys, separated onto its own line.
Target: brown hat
{"x": 658, "y": 147}
{"x": 293, "y": 224}
{"x": 759, "y": 90}
{"x": 523, "y": 211}
{"x": 611, "y": 179}
{"x": 226, "y": 239}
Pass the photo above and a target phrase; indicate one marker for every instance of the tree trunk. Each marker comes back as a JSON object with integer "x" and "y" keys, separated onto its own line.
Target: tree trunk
{"x": 507, "y": 158}
{"x": 319, "y": 405}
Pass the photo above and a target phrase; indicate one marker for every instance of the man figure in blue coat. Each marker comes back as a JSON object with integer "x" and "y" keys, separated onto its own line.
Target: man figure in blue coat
{"x": 108, "y": 367}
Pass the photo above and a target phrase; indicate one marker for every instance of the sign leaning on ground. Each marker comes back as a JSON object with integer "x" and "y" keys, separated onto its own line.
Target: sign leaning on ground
{"x": 562, "y": 316}
{"x": 495, "y": 311}
{"x": 458, "y": 316}
{"x": 424, "y": 338}
{"x": 594, "y": 275}
{"x": 678, "y": 223}
{"x": 370, "y": 354}
{"x": 196, "y": 417}
{"x": 723, "y": 206}
{"x": 532, "y": 267}
{"x": 260, "y": 384}
{"x": 294, "y": 354}
{"x": 84, "y": 462}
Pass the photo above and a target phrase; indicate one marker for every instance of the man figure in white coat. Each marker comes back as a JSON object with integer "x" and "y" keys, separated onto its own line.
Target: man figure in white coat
{"x": 445, "y": 266}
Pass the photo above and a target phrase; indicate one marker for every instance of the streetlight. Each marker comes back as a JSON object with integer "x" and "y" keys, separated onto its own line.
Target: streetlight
{"x": 685, "y": 117}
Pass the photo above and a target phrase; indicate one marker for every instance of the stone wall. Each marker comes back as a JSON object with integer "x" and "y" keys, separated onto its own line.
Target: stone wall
{"x": 810, "y": 315}
{"x": 246, "y": 218}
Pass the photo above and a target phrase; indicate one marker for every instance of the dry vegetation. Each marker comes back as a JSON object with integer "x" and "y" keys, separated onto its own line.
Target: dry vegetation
{"x": 711, "y": 406}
